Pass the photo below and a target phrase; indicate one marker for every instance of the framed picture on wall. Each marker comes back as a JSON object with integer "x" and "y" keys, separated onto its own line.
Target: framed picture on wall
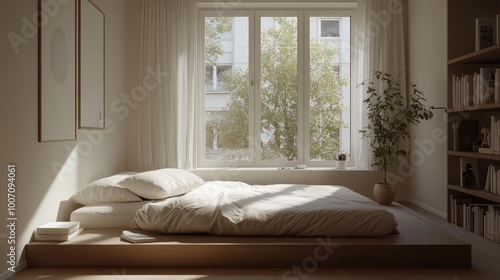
{"x": 91, "y": 58}
{"x": 57, "y": 70}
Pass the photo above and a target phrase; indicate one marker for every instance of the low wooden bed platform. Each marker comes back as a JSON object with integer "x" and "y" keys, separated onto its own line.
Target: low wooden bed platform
{"x": 419, "y": 244}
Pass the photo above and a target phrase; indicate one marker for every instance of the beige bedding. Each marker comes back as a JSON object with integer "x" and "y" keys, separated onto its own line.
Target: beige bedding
{"x": 236, "y": 208}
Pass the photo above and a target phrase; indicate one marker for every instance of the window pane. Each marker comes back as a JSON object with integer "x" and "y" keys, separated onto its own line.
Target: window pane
{"x": 223, "y": 72}
{"x": 226, "y": 88}
{"x": 329, "y": 91}
{"x": 209, "y": 78}
{"x": 279, "y": 91}
{"x": 330, "y": 28}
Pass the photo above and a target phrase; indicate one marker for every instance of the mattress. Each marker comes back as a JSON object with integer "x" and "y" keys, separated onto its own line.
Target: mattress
{"x": 236, "y": 208}
{"x": 107, "y": 215}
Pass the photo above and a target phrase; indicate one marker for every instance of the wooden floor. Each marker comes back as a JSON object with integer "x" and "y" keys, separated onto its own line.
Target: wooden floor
{"x": 485, "y": 265}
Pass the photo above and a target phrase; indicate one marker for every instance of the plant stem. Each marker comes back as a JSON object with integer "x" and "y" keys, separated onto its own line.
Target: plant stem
{"x": 385, "y": 171}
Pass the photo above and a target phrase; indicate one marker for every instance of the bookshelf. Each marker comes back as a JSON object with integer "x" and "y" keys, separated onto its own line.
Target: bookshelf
{"x": 485, "y": 56}
{"x": 474, "y": 155}
{"x": 476, "y": 192}
{"x": 476, "y": 108}
{"x": 473, "y": 207}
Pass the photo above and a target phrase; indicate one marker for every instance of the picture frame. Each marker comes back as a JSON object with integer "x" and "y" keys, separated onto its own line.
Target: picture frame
{"x": 92, "y": 66}
{"x": 57, "y": 71}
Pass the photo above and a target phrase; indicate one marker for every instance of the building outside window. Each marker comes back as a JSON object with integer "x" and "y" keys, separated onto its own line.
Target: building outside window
{"x": 214, "y": 77}
{"x": 329, "y": 28}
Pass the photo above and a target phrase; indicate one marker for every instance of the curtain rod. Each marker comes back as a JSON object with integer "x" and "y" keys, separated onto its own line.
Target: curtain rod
{"x": 275, "y": 4}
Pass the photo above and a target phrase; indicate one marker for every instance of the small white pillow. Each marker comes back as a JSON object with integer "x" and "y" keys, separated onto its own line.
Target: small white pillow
{"x": 162, "y": 183}
{"x": 105, "y": 190}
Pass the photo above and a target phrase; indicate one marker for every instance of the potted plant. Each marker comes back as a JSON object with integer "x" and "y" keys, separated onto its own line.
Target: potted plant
{"x": 390, "y": 116}
{"x": 340, "y": 162}
{"x": 469, "y": 176}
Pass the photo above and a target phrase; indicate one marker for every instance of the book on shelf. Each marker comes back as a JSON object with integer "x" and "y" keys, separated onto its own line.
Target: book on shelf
{"x": 467, "y": 221}
{"x": 56, "y": 237}
{"x": 456, "y": 209}
{"x": 480, "y": 218}
{"x": 465, "y": 133}
{"x": 463, "y": 91}
{"x": 58, "y": 228}
{"x": 492, "y": 223}
{"x": 489, "y": 178}
{"x": 497, "y": 24}
{"x": 487, "y": 84}
{"x": 478, "y": 210}
{"x": 485, "y": 33}
{"x": 482, "y": 87}
{"x": 492, "y": 184}
{"x": 134, "y": 237}
{"x": 497, "y": 85}
{"x": 494, "y": 141}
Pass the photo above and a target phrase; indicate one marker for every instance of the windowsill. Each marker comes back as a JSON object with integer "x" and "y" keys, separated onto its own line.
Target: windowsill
{"x": 350, "y": 176}
{"x": 284, "y": 169}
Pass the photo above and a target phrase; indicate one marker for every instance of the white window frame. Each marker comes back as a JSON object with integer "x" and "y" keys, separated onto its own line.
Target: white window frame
{"x": 201, "y": 147}
{"x": 303, "y": 15}
{"x": 329, "y": 163}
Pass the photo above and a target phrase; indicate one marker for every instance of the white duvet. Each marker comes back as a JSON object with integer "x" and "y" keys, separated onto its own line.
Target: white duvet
{"x": 236, "y": 208}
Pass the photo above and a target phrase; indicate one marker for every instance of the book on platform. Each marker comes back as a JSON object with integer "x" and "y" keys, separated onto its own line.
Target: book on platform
{"x": 58, "y": 228}
{"x": 56, "y": 237}
{"x": 134, "y": 237}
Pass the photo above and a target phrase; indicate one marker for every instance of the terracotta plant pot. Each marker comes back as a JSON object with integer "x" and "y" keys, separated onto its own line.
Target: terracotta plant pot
{"x": 384, "y": 194}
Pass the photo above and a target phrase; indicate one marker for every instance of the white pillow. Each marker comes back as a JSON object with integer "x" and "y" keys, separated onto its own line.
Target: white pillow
{"x": 105, "y": 190}
{"x": 162, "y": 183}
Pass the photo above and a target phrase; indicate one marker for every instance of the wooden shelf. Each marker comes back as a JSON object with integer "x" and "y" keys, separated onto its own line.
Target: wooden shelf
{"x": 474, "y": 155}
{"x": 484, "y": 107}
{"x": 490, "y": 55}
{"x": 477, "y": 193}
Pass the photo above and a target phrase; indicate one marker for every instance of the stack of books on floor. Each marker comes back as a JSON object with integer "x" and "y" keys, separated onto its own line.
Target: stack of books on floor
{"x": 57, "y": 231}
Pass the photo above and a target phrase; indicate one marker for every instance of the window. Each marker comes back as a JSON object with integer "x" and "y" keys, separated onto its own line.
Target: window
{"x": 276, "y": 94}
{"x": 329, "y": 28}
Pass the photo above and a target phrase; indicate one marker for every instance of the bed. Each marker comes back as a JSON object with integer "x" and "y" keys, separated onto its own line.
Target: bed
{"x": 173, "y": 201}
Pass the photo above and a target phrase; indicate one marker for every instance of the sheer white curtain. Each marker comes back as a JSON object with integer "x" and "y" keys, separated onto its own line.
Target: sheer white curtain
{"x": 168, "y": 91}
{"x": 379, "y": 45}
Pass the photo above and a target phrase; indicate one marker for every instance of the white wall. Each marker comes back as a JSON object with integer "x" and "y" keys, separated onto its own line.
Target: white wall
{"x": 428, "y": 69}
{"x": 40, "y": 186}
